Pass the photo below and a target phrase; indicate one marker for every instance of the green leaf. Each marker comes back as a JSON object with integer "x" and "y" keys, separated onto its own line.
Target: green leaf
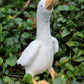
{"x": 75, "y": 82}
{"x": 69, "y": 73}
{"x": 0, "y": 28}
{"x": 30, "y": 22}
{"x": 77, "y": 54}
{"x": 1, "y": 60}
{"x": 25, "y": 24}
{"x": 1, "y": 81}
{"x": 29, "y": 28}
{"x": 11, "y": 60}
{"x": 63, "y": 60}
{"x": 8, "y": 17}
{"x": 79, "y": 59}
{"x": 70, "y": 23}
{"x": 80, "y": 34}
{"x": 75, "y": 34}
{"x": 6, "y": 79}
{"x": 65, "y": 32}
{"x": 2, "y": 9}
{"x": 59, "y": 80}
{"x": 26, "y": 14}
{"x": 63, "y": 8}
{"x": 26, "y": 35}
{"x": 82, "y": 63}
{"x": 61, "y": 19}
{"x": 36, "y": 77}
{"x": 75, "y": 50}
{"x": 69, "y": 66}
{"x": 27, "y": 78}
{"x": 73, "y": 43}
{"x": 5, "y": 33}
{"x": 8, "y": 42}
{"x": 80, "y": 1}
{"x": 18, "y": 21}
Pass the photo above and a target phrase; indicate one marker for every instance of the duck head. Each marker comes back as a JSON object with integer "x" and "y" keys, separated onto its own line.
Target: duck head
{"x": 47, "y": 4}
{"x": 45, "y": 8}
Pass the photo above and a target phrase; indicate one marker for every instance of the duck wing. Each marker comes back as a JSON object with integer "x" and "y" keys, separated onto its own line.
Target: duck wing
{"x": 55, "y": 45}
{"x": 29, "y": 53}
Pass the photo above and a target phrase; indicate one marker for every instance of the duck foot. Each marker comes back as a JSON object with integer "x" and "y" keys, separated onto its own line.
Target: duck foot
{"x": 40, "y": 82}
{"x": 53, "y": 74}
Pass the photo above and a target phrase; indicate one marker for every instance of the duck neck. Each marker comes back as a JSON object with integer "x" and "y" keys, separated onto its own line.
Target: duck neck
{"x": 43, "y": 29}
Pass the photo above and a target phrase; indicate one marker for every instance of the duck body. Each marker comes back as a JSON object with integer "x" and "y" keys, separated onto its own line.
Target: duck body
{"x": 42, "y": 62}
{"x": 39, "y": 54}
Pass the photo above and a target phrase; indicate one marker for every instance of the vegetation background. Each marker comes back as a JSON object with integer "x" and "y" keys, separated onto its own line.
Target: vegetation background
{"x": 18, "y": 29}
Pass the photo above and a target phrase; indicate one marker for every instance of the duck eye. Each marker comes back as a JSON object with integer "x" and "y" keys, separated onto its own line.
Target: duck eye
{"x": 41, "y": 6}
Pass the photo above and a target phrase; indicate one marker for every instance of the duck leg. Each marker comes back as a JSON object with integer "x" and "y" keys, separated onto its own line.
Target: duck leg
{"x": 53, "y": 73}
{"x": 40, "y": 82}
{"x": 34, "y": 82}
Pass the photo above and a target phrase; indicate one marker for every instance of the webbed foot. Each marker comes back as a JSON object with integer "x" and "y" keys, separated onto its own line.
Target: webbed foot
{"x": 53, "y": 74}
{"x": 40, "y": 82}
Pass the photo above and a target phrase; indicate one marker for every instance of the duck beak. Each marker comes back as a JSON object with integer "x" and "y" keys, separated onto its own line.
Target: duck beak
{"x": 49, "y": 4}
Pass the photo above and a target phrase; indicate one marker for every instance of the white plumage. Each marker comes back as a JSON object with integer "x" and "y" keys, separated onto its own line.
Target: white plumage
{"x": 39, "y": 54}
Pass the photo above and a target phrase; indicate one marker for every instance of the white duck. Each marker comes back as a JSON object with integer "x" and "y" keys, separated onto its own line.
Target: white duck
{"x": 39, "y": 55}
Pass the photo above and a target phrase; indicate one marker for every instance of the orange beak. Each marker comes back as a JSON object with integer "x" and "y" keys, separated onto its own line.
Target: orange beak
{"x": 49, "y": 4}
